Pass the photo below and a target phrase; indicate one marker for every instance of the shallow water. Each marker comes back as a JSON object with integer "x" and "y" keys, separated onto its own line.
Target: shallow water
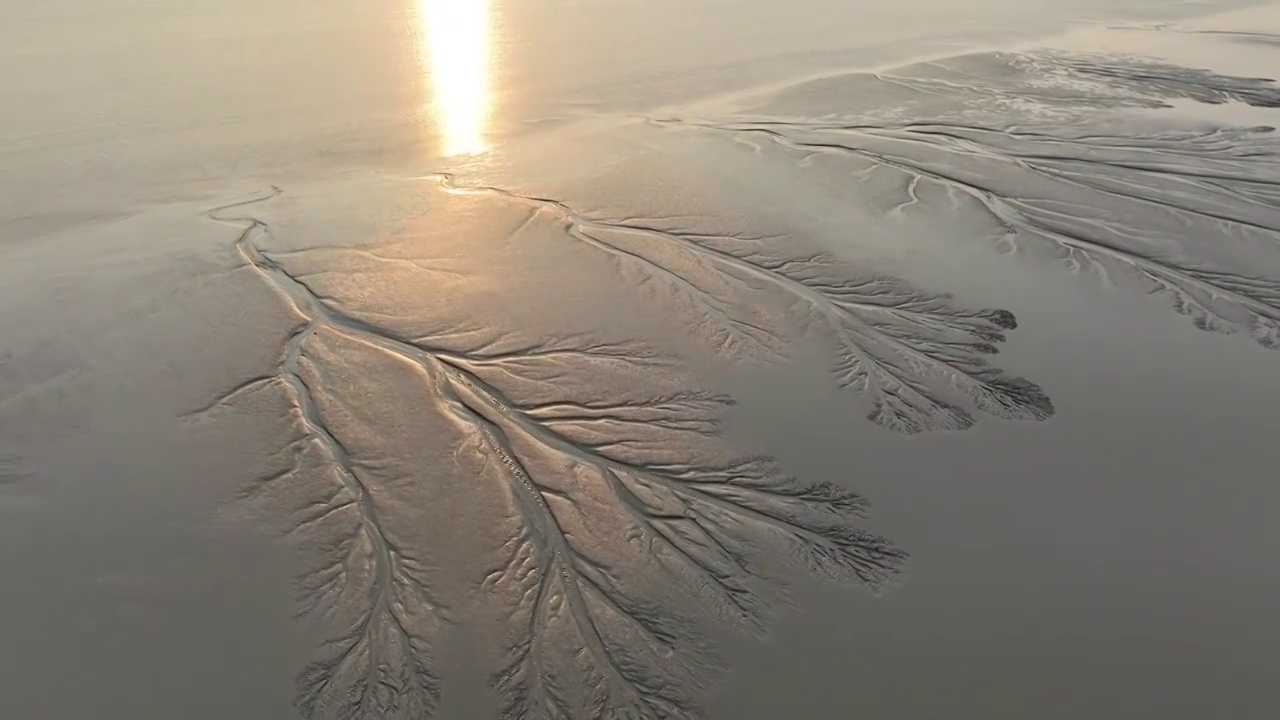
{"x": 620, "y": 359}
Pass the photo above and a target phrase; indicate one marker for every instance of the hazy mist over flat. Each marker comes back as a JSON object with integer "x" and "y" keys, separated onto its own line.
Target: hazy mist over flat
{"x": 613, "y": 359}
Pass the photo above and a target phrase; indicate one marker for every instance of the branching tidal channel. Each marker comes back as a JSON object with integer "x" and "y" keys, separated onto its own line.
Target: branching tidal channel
{"x": 588, "y": 638}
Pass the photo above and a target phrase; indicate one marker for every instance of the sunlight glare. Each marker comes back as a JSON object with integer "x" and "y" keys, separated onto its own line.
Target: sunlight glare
{"x": 456, "y": 58}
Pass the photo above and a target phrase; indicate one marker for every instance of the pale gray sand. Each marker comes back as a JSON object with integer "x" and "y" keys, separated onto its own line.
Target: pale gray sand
{"x": 293, "y": 424}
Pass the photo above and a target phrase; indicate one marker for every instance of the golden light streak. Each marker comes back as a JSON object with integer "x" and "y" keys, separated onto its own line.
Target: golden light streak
{"x": 455, "y": 56}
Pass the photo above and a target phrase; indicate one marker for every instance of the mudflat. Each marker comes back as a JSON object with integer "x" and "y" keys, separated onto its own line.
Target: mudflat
{"x": 630, "y": 360}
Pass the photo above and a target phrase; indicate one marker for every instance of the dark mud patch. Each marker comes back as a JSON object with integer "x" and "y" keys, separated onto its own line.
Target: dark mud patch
{"x": 1243, "y": 37}
{"x": 12, "y": 471}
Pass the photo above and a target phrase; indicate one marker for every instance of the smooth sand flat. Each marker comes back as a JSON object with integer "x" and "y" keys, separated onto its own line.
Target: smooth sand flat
{"x": 472, "y": 360}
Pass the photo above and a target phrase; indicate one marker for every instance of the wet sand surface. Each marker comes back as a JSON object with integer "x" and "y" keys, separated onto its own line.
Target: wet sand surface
{"x": 470, "y": 360}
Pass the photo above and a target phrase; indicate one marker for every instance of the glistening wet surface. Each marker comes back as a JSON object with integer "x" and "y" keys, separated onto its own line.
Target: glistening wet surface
{"x": 944, "y": 387}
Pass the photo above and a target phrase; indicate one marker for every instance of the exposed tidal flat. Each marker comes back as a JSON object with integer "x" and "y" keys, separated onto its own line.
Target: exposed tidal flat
{"x": 462, "y": 360}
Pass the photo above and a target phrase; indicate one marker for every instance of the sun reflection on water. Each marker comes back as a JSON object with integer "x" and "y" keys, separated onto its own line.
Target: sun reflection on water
{"x": 456, "y": 56}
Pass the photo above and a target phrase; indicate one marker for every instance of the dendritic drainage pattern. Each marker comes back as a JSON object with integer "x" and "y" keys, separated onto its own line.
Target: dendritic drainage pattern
{"x": 636, "y": 527}
{"x": 919, "y": 358}
{"x": 1192, "y": 215}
